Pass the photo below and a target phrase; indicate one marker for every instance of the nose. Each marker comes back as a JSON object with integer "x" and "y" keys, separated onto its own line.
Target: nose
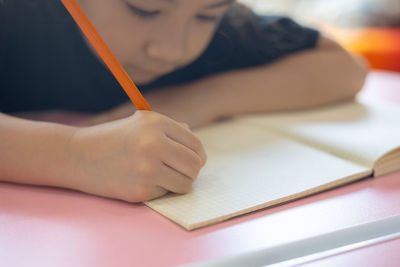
{"x": 167, "y": 43}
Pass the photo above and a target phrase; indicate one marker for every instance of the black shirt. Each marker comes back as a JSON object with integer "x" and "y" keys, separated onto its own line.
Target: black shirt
{"x": 45, "y": 64}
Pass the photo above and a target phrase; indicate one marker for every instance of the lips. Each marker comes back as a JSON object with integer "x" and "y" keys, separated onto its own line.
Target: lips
{"x": 145, "y": 71}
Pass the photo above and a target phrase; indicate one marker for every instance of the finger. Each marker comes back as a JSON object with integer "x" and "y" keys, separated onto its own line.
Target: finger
{"x": 182, "y": 159}
{"x": 154, "y": 192}
{"x": 174, "y": 181}
{"x": 184, "y": 136}
{"x": 145, "y": 193}
{"x": 185, "y": 125}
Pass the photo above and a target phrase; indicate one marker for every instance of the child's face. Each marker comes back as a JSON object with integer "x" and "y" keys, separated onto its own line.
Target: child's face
{"x": 154, "y": 37}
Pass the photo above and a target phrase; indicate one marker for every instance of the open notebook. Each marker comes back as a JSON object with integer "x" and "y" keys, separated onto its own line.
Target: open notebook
{"x": 258, "y": 161}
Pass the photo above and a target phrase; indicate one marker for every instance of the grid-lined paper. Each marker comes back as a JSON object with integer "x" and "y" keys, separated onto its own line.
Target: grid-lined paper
{"x": 248, "y": 169}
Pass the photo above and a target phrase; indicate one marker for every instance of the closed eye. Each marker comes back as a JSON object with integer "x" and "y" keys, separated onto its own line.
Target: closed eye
{"x": 208, "y": 18}
{"x": 142, "y": 12}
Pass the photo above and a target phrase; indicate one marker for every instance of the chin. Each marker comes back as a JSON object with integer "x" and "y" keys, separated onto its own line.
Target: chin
{"x": 144, "y": 80}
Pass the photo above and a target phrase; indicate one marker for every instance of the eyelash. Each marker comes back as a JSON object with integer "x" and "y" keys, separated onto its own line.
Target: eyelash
{"x": 142, "y": 13}
{"x": 145, "y": 14}
{"x": 205, "y": 18}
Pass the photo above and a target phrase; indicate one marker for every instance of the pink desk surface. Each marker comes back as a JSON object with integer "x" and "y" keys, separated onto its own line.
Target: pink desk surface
{"x": 54, "y": 227}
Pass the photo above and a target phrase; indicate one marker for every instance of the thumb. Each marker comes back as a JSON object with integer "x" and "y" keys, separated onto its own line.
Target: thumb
{"x": 185, "y": 125}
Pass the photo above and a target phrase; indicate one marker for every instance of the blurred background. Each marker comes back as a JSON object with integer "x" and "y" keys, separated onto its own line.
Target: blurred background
{"x": 367, "y": 27}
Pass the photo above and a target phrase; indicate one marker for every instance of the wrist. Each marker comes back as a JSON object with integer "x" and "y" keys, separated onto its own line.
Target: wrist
{"x": 210, "y": 97}
{"x": 119, "y": 112}
{"x": 72, "y": 175}
{"x": 196, "y": 103}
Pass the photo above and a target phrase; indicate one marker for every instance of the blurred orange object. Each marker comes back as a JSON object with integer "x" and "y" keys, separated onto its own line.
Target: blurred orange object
{"x": 380, "y": 46}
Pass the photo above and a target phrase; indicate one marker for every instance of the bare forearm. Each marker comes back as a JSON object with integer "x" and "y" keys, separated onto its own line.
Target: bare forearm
{"x": 306, "y": 80}
{"x": 34, "y": 152}
{"x": 301, "y": 81}
{"x": 320, "y": 76}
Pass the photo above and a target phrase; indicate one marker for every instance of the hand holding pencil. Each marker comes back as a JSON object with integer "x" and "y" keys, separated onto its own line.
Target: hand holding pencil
{"x": 137, "y": 158}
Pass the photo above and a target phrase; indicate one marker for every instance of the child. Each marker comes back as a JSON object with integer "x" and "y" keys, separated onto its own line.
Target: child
{"x": 195, "y": 62}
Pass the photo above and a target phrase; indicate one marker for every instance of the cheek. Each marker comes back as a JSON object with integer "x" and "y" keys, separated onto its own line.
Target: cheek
{"x": 199, "y": 39}
{"x": 116, "y": 27}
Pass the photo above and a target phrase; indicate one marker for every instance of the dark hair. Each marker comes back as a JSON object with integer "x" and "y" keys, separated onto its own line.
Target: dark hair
{"x": 239, "y": 12}
{"x": 231, "y": 28}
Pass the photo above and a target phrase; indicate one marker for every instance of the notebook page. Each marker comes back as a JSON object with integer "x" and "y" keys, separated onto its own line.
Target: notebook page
{"x": 248, "y": 169}
{"x": 358, "y": 131}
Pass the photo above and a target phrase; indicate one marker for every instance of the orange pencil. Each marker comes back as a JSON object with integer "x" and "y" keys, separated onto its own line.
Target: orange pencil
{"x": 105, "y": 53}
